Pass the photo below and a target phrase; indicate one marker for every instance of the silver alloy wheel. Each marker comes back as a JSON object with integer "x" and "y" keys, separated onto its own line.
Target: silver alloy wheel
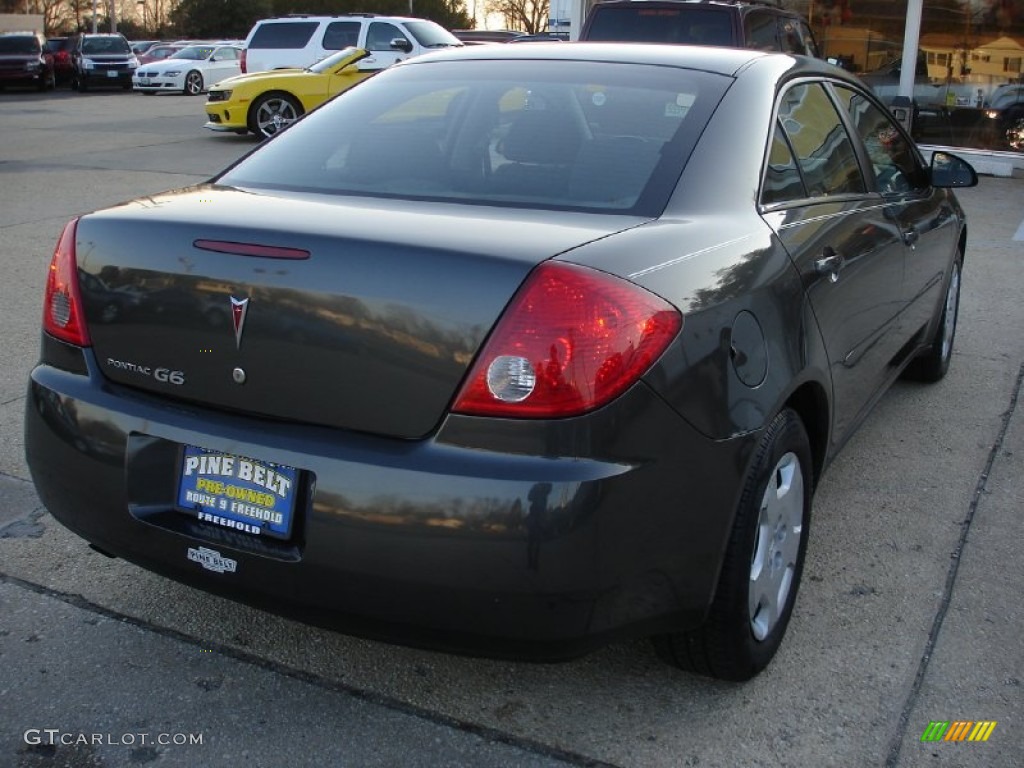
{"x": 193, "y": 83}
{"x": 275, "y": 114}
{"x": 949, "y": 316}
{"x": 779, "y": 530}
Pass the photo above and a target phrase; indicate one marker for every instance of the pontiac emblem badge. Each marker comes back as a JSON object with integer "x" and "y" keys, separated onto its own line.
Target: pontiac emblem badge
{"x": 238, "y": 309}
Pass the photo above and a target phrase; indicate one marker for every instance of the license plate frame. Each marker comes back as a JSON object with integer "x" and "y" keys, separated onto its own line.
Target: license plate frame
{"x": 254, "y": 497}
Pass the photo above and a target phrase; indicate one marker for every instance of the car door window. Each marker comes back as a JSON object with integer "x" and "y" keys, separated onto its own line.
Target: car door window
{"x": 894, "y": 163}
{"x": 380, "y": 35}
{"x": 789, "y": 37}
{"x": 760, "y": 32}
{"x": 824, "y": 151}
{"x": 341, "y": 34}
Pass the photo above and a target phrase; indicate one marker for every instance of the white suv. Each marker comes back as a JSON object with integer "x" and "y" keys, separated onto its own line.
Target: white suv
{"x": 300, "y": 41}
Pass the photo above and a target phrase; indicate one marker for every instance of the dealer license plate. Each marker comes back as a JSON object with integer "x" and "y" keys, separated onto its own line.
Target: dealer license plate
{"x": 239, "y": 493}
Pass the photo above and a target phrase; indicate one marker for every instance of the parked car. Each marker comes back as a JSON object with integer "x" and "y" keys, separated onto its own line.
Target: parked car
{"x": 60, "y": 49}
{"x": 160, "y": 52}
{"x": 297, "y": 42}
{"x": 139, "y": 47}
{"x": 508, "y": 349}
{"x": 191, "y": 70}
{"x": 738, "y": 24}
{"x": 24, "y": 60}
{"x": 266, "y": 103}
{"x": 1005, "y": 106}
{"x": 101, "y": 59}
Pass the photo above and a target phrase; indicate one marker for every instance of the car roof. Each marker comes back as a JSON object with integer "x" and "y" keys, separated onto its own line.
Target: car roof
{"x": 724, "y": 61}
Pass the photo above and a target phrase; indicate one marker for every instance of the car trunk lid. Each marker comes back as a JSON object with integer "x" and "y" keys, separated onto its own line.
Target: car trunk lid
{"x": 315, "y": 309}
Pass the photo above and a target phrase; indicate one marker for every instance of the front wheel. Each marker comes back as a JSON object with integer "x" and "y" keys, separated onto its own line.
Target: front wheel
{"x": 272, "y": 113}
{"x": 193, "y": 83}
{"x": 933, "y": 364}
{"x": 763, "y": 561}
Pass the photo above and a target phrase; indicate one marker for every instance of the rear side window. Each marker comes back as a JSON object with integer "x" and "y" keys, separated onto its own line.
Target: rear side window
{"x": 824, "y": 151}
{"x": 341, "y": 34}
{"x": 782, "y": 181}
{"x": 677, "y": 26}
{"x": 285, "y": 34}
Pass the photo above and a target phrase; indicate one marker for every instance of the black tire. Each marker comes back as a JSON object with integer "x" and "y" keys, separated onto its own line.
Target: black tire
{"x": 739, "y": 638}
{"x": 193, "y": 83}
{"x": 271, "y": 113}
{"x": 932, "y": 364}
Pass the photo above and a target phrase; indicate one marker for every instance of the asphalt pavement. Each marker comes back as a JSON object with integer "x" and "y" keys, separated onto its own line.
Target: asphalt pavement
{"x": 910, "y": 614}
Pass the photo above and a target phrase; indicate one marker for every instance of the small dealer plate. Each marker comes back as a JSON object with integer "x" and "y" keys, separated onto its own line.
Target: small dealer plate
{"x": 245, "y": 495}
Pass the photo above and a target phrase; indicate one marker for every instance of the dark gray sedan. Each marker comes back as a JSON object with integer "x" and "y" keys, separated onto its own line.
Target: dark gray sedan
{"x": 508, "y": 350}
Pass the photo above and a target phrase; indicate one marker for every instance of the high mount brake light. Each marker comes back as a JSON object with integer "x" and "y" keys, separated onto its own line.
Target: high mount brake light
{"x": 63, "y": 316}
{"x": 571, "y": 340}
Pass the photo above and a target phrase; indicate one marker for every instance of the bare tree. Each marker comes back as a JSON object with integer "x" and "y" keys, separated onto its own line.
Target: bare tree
{"x": 529, "y": 16}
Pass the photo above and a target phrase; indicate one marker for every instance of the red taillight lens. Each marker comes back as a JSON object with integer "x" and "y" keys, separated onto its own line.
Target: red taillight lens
{"x": 571, "y": 340}
{"x": 62, "y": 303}
{"x": 241, "y": 62}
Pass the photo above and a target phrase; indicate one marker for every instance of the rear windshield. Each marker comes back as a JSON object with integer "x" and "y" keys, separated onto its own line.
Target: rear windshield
{"x": 565, "y": 135}
{"x": 284, "y": 34}
{"x": 98, "y": 45}
{"x": 678, "y": 26}
{"x": 27, "y": 44}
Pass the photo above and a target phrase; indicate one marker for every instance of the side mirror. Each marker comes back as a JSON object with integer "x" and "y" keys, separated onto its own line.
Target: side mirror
{"x": 951, "y": 171}
{"x": 401, "y": 44}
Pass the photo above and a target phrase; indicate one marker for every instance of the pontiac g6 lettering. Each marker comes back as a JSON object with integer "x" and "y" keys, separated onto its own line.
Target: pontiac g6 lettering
{"x": 165, "y": 375}
{"x": 549, "y": 345}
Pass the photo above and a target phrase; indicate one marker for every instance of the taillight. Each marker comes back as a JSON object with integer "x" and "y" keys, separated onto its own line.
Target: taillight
{"x": 62, "y": 304}
{"x": 571, "y": 340}
{"x": 241, "y": 62}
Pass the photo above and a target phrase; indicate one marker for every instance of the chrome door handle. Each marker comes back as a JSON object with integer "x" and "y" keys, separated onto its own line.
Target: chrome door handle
{"x": 829, "y": 264}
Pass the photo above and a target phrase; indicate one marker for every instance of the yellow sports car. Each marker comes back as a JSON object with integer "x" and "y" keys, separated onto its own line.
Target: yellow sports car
{"x": 268, "y": 102}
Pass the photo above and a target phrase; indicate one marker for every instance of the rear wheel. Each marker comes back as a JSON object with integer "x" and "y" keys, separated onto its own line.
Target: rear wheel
{"x": 933, "y": 364}
{"x": 271, "y": 113}
{"x": 761, "y": 570}
{"x": 193, "y": 83}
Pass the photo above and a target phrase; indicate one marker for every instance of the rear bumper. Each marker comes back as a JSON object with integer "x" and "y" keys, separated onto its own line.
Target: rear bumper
{"x": 493, "y": 537}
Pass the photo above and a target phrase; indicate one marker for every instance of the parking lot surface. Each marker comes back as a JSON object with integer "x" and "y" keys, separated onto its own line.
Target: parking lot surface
{"x": 909, "y": 613}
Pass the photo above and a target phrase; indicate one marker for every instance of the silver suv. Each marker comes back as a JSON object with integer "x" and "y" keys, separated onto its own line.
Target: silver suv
{"x": 300, "y": 41}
